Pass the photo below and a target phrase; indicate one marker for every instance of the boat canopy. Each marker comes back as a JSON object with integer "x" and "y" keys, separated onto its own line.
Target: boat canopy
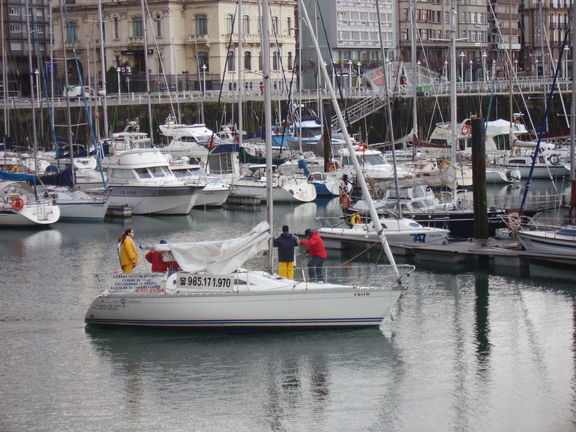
{"x": 219, "y": 256}
{"x": 7, "y": 175}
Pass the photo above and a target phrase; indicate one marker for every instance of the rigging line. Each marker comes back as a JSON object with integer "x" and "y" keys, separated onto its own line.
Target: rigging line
{"x": 509, "y": 62}
{"x": 95, "y": 142}
{"x": 160, "y": 58}
{"x": 332, "y": 62}
{"x": 543, "y": 125}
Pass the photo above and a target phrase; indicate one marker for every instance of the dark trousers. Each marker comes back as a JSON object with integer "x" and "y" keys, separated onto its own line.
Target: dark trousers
{"x": 315, "y": 270}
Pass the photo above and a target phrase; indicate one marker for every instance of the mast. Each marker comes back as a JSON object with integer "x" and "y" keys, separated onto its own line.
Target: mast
{"x": 240, "y": 73}
{"x": 361, "y": 179}
{"x": 573, "y": 121}
{"x": 145, "y": 31}
{"x": 4, "y": 82}
{"x": 512, "y": 69}
{"x": 31, "y": 73}
{"x": 103, "y": 68}
{"x": 453, "y": 107}
{"x": 66, "y": 83}
{"x": 267, "y": 122}
{"x": 414, "y": 70}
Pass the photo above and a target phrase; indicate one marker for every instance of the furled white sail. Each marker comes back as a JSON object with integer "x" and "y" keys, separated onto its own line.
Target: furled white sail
{"x": 219, "y": 256}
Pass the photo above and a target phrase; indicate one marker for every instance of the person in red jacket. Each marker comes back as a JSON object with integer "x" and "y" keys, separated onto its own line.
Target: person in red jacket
{"x": 317, "y": 253}
{"x": 158, "y": 264}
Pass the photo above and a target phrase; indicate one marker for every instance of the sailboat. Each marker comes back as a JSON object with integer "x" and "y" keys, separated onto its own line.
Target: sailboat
{"x": 213, "y": 291}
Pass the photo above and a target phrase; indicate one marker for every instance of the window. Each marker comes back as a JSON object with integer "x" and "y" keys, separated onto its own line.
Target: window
{"x": 14, "y": 28}
{"x": 247, "y": 60}
{"x": 201, "y": 25}
{"x": 246, "y": 24}
{"x": 137, "y": 27}
{"x": 289, "y": 61}
{"x": 276, "y": 60}
{"x": 116, "y": 28}
{"x": 158, "y": 26}
{"x": 275, "y": 25}
{"x": 142, "y": 173}
{"x": 229, "y": 23}
{"x": 260, "y": 60}
{"x": 230, "y": 61}
{"x": 289, "y": 25}
{"x": 203, "y": 61}
{"x": 71, "y": 32}
{"x": 14, "y": 11}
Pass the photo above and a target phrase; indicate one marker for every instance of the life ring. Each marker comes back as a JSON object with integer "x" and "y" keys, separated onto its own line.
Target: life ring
{"x": 465, "y": 130}
{"x": 356, "y": 218}
{"x": 517, "y": 151}
{"x": 17, "y": 203}
{"x": 554, "y": 159}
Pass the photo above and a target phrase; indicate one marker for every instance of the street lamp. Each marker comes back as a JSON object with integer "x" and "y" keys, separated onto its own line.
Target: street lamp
{"x": 418, "y": 71}
{"x": 484, "y": 55}
{"x": 471, "y": 62}
{"x": 516, "y": 67}
{"x": 204, "y": 67}
{"x": 462, "y": 55}
{"x": 349, "y": 73}
{"x": 358, "y": 80}
{"x": 36, "y": 73}
{"x": 446, "y": 68}
{"x": 118, "y": 70}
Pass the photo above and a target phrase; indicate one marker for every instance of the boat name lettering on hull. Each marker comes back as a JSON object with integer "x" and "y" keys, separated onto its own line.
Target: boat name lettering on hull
{"x": 361, "y": 294}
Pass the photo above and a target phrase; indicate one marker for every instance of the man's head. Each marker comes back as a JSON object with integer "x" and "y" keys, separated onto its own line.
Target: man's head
{"x": 308, "y": 232}
{"x": 285, "y": 228}
{"x": 163, "y": 241}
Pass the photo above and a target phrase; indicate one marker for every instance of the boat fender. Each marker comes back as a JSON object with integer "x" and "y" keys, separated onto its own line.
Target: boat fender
{"x": 17, "y": 203}
{"x": 15, "y": 169}
{"x": 356, "y": 218}
{"x": 554, "y": 159}
{"x": 465, "y": 130}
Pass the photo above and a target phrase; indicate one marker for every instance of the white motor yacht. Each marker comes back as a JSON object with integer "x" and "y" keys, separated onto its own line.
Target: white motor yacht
{"x": 142, "y": 180}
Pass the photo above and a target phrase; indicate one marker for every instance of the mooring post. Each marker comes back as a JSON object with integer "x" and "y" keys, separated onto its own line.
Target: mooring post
{"x": 479, "y": 178}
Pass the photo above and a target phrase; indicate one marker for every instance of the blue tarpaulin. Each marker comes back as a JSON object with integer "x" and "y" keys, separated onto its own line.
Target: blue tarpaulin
{"x": 7, "y": 175}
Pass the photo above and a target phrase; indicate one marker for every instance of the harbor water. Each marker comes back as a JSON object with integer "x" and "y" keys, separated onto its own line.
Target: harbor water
{"x": 469, "y": 348}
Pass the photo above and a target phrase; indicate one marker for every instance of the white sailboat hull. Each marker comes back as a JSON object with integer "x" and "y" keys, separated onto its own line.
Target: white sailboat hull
{"x": 31, "y": 215}
{"x": 283, "y": 304}
{"x": 290, "y": 191}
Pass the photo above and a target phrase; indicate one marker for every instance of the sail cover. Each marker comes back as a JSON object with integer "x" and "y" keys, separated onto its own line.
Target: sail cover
{"x": 219, "y": 256}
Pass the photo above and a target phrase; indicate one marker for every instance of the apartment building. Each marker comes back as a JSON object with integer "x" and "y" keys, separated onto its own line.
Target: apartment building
{"x": 544, "y": 24}
{"x": 197, "y": 41}
{"x": 20, "y": 33}
{"x": 348, "y": 35}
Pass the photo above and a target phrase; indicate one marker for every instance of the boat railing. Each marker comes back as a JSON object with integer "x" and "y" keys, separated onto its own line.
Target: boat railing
{"x": 360, "y": 276}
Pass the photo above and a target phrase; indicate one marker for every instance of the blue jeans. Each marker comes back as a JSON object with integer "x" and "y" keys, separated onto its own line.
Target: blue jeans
{"x": 315, "y": 270}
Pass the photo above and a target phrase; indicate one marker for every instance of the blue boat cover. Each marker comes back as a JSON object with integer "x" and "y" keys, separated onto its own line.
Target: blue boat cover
{"x": 7, "y": 175}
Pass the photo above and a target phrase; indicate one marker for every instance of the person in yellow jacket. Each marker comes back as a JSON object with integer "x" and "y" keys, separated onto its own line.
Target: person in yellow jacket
{"x": 127, "y": 251}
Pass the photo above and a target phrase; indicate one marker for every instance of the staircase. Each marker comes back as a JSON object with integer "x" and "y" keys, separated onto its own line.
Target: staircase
{"x": 358, "y": 111}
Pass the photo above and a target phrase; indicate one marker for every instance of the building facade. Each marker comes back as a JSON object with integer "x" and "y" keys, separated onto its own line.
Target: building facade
{"x": 195, "y": 41}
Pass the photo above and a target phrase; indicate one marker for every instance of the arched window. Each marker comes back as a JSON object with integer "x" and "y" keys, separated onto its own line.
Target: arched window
{"x": 229, "y": 23}
{"x": 201, "y": 25}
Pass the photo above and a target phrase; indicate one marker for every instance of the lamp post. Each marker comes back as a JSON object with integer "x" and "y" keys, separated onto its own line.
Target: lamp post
{"x": 118, "y": 70}
{"x": 358, "y": 80}
{"x": 204, "y": 80}
{"x": 484, "y": 55}
{"x": 471, "y": 62}
{"x": 462, "y": 55}
{"x": 349, "y": 73}
{"x": 565, "y": 61}
{"x": 446, "y": 68}
{"x": 516, "y": 67}
{"x": 36, "y": 73}
{"x": 418, "y": 72}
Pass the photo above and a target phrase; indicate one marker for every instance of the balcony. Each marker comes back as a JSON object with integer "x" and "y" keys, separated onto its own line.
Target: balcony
{"x": 201, "y": 39}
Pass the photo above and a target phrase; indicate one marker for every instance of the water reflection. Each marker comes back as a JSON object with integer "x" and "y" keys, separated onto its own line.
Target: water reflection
{"x": 268, "y": 375}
